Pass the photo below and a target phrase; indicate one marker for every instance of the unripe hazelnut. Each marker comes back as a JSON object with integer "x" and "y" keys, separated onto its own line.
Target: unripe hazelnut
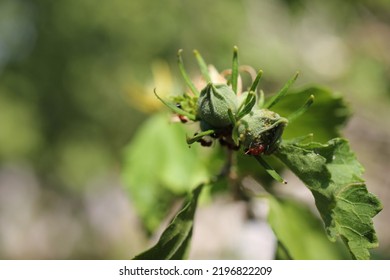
{"x": 261, "y": 127}
{"x": 213, "y": 105}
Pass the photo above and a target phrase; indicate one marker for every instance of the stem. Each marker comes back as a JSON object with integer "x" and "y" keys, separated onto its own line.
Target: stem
{"x": 199, "y": 136}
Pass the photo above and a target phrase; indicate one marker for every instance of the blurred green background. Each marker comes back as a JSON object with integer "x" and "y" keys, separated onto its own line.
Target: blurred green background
{"x": 72, "y": 73}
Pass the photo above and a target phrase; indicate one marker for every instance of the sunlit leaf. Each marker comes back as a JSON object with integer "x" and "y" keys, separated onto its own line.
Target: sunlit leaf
{"x": 159, "y": 166}
{"x": 324, "y": 118}
{"x": 174, "y": 241}
{"x": 290, "y": 221}
{"x": 333, "y": 174}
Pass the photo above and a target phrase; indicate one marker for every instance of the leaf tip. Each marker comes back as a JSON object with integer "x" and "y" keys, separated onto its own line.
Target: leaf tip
{"x": 155, "y": 93}
{"x": 179, "y": 52}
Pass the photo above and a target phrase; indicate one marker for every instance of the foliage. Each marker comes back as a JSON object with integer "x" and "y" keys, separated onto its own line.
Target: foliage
{"x": 172, "y": 170}
{"x": 300, "y": 234}
{"x": 333, "y": 175}
{"x": 242, "y": 121}
{"x": 174, "y": 242}
{"x": 66, "y": 79}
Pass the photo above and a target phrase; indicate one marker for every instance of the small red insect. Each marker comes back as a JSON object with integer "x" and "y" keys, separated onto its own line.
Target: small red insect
{"x": 183, "y": 119}
{"x": 256, "y": 150}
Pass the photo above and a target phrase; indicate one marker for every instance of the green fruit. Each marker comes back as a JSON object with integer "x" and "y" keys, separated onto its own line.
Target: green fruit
{"x": 213, "y": 105}
{"x": 261, "y": 127}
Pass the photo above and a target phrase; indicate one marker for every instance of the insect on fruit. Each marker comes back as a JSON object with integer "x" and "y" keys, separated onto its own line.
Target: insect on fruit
{"x": 238, "y": 120}
{"x": 256, "y": 150}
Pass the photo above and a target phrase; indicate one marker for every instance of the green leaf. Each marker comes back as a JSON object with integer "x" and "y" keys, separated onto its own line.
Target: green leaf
{"x": 333, "y": 175}
{"x": 174, "y": 241}
{"x": 324, "y": 118}
{"x": 158, "y": 166}
{"x": 300, "y": 234}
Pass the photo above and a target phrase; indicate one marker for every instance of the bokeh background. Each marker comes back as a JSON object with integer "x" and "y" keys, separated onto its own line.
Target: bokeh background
{"x": 70, "y": 75}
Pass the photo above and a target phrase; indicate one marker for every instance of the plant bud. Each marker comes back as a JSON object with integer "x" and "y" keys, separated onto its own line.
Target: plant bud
{"x": 213, "y": 105}
{"x": 260, "y": 131}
